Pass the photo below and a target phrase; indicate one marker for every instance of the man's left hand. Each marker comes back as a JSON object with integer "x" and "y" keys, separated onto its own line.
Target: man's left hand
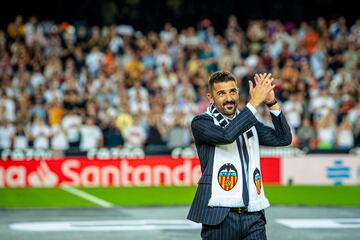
{"x": 266, "y": 77}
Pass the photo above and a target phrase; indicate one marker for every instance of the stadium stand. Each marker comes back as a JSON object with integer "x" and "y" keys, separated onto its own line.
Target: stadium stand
{"x": 75, "y": 88}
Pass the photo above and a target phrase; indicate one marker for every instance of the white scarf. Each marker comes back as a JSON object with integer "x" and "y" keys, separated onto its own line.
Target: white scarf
{"x": 227, "y": 176}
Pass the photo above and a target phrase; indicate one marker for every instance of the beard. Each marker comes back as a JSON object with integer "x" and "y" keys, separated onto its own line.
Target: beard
{"x": 227, "y": 108}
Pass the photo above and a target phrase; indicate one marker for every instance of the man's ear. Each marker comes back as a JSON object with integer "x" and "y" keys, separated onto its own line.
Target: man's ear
{"x": 210, "y": 98}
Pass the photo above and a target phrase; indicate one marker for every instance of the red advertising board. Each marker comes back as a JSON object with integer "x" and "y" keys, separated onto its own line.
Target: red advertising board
{"x": 270, "y": 168}
{"x": 81, "y": 171}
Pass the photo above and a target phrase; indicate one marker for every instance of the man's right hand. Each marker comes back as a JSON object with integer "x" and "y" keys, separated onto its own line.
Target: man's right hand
{"x": 259, "y": 93}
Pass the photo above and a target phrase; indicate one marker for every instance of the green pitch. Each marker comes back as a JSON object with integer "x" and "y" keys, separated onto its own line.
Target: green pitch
{"x": 161, "y": 196}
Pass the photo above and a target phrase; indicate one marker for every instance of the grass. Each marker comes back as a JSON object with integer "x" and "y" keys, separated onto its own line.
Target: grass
{"x": 314, "y": 195}
{"x": 143, "y": 196}
{"x": 150, "y": 196}
{"x": 40, "y": 197}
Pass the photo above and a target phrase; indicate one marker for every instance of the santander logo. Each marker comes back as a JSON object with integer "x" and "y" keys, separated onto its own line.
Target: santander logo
{"x": 124, "y": 174}
{"x": 43, "y": 176}
{"x": 151, "y": 171}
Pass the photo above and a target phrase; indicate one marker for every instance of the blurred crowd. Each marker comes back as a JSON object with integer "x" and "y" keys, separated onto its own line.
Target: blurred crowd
{"x": 72, "y": 86}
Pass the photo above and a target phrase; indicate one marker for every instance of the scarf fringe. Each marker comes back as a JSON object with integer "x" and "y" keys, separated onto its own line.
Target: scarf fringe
{"x": 259, "y": 204}
{"x": 225, "y": 201}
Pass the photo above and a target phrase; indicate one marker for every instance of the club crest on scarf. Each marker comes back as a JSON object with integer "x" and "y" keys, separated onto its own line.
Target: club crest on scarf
{"x": 257, "y": 180}
{"x": 227, "y": 176}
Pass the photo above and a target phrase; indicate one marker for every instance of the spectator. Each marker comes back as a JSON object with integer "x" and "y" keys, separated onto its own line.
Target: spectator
{"x": 207, "y": 57}
{"x": 156, "y": 130}
{"x": 138, "y": 98}
{"x": 136, "y": 89}
{"x": 54, "y": 112}
{"x": 20, "y": 139}
{"x": 79, "y": 60}
{"x": 7, "y": 105}
{"x": 168, "y": 33}
{"x": 326, "y": 131}
{"x": 135, "y": 135}
{"x": 344, "y": 135}
{"x": 134, "y": 68}
{"x": 354, "y": 114}
{"x": 321, "y": 103}
{"x": 112, "y": 135}
{"x": 17, "y": 29}
{"x": 351, "y": 57}
{"x": 306, "y": 135}
{"x": 40, "y": 133}
{"x": 53, "y": 92}
{"x": 293, "y": 110}
{"x": 317, "y": 61}
{"x": 7, "y": 131}
{"x": 116, "y": 42}
{"x": 94, "y": 60}
{"x": 252, "y": 60}
{"x": 38, "y": 107}
{"x": 178, "y": 134}
{"x": 310, "y": 39}
{"x": 90, "y": 135}
{"x": 59, "y": 140}
{"x": 162, "y": 58}
{"x": 72, "y": 101}
{"x": 35, "y": 34}
{"x": 232, "y": 27}
{"x": 189, "y": 38}
{"x": 71, "y": 122}
{"x": 124, "y": 119}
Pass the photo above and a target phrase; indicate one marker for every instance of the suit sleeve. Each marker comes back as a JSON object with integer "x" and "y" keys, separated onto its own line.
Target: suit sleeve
{"x": 280, "y": 136}
{"x": 205, "y": 130}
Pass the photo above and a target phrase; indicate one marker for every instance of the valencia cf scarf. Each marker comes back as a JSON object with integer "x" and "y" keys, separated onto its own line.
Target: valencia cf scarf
{"x": 236, "y": 177}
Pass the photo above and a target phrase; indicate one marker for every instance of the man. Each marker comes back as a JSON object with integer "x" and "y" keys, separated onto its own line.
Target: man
{"x": 230, "y": 198}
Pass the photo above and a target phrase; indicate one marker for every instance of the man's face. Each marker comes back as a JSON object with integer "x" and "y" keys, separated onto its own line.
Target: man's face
{"x": 224, "y": 96}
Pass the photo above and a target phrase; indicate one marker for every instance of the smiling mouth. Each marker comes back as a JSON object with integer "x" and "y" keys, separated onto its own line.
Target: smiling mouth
{"x": 229, "y": 105}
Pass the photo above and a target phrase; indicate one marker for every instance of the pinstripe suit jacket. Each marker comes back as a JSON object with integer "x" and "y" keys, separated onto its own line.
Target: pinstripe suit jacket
{"x": 207, "y": 135}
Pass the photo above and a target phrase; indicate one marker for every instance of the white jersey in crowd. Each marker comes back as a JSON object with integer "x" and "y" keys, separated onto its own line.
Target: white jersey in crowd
{"x": 59, "y": 140}
{"x": 20, "y": 142}
{"x": 90, "y": 135}
{"x": 6, "y": 133}
{"x": 71, "y": 124}
{"x": 41, "y": 136}
{"x": 134, "y": 136}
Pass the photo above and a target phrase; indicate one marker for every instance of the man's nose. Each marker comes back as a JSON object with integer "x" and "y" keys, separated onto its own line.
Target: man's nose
{"x": 228, "y": 97}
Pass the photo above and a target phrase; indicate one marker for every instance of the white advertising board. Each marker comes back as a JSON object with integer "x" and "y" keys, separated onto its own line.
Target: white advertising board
{"x": 320, "y": 170}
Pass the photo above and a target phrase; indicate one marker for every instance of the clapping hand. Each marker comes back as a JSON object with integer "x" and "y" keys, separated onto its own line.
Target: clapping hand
{"x": 262, "y": 91}
{"x": 270, "y": 97}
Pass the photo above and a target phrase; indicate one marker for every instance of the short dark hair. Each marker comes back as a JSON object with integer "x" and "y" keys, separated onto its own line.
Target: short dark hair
{"x": 220, "y": 76}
